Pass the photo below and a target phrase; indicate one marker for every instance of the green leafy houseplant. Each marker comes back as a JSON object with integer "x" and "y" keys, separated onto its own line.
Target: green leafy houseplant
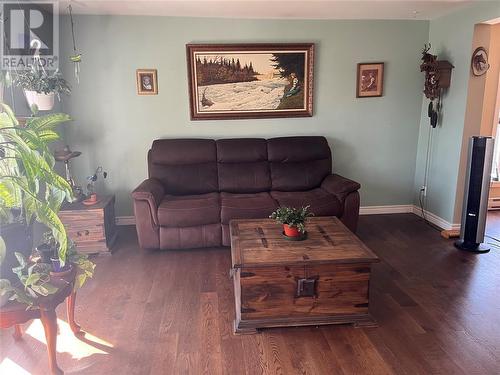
{"x": 293, "y": 217}
{"x": 29, "y": 186}
{"x": 84, "y": 267}
{"x": 42, "y": 82}
{"x": 49, "y": 249}
{"x": 40, "y": 87}
{"x": 5, "y": 286}
{"x": 30, "y": 190}
{"x": 35, "y": 279}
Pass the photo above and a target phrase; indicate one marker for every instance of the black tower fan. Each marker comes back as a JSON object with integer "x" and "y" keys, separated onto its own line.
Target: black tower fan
{"x": 477, "y": 188}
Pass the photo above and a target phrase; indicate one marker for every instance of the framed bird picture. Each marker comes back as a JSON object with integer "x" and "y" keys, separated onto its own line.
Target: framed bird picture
{"x": 370, "y": 80}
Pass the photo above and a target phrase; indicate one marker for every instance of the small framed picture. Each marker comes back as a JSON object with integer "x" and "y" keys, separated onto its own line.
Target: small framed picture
{"x": 147, "y": 82}
{"x": 370, "y": 82}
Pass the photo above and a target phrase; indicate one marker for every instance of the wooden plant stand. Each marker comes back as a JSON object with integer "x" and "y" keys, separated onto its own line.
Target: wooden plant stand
{"x": 15, "y": 314}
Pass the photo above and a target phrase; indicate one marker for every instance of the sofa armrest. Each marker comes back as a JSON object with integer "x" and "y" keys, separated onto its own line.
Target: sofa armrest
{"x": 151, "y": 191}
{"x": 339, "y": 186}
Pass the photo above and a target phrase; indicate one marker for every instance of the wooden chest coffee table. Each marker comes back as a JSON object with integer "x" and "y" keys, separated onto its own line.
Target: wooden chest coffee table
{"x": 278, "y": 283}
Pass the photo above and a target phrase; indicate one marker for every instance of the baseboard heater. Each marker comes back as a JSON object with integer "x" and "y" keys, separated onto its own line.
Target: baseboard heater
{"x": 494, "y": 203}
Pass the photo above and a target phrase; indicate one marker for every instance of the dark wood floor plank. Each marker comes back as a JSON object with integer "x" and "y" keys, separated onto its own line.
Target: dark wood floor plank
{"x": 254, "y": 355}
{"x": 276, "y": 353}
{"x": 232, "y": 352}
{"x": 310, "y": 351}
{"x": 211, "y": 360}
{"x": 172, "y": 312}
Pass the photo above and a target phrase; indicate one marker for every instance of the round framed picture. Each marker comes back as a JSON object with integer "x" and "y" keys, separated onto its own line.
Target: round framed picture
{"x": 479, "y": 63}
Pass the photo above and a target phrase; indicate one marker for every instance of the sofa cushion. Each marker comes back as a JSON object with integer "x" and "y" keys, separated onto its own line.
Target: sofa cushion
{"x": 246, "y": 206}
{"x": 298, "y": 163}
{"x": 241, "y": 150}
{"x": 242, "y": 165}
{"x": 189, "y": 210}
{"x": 321, "y": 202}
{"x": 184, "y": 166}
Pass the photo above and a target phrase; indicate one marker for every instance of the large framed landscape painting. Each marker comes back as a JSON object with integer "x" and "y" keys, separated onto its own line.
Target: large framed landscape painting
{"x": 237, "y": 81}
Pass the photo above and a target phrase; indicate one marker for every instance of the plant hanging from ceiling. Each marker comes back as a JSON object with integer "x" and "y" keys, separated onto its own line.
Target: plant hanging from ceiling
{"x": 39, "y": 86}
{"x": 76, "y": 58}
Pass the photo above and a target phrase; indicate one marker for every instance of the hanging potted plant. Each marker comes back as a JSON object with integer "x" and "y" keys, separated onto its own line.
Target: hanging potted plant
{"x": 41, "y": 87}
{"x": 293, "y": 220}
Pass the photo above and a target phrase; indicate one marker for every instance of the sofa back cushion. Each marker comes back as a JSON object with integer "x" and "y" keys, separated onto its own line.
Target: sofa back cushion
{"x": 184, "y": 166}
{"x": 243, "y": 166}
{"x": 298, "y": 163}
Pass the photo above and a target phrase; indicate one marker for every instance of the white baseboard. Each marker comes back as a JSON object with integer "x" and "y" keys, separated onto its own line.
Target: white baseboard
{"x": 410, "y": 208}
{"x": 125, "y": 220}
{"x": 366, "y": 210}
{"x": 378, "y": 210}
{"x": 436, "y": 220}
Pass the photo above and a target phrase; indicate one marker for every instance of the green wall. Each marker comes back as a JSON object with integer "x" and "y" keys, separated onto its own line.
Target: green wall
{"x": 451, "y": 39}
{"x": 374, "y": 140}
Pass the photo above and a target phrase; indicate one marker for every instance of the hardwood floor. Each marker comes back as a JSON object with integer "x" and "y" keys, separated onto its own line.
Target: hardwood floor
{"x": 493, "y": 226}
{"x": 172, "y": 312}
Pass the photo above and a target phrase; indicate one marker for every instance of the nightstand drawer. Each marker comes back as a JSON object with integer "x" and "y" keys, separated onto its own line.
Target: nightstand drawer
{"x": 91, "y": 228}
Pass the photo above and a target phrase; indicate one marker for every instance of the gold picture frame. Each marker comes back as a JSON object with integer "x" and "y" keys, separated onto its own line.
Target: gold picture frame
{"x": 256, "y": 80}
{"x": 147, "y": 81}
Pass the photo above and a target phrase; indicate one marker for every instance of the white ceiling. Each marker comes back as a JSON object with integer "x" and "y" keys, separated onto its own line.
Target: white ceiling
{"x": 291, "y": 9}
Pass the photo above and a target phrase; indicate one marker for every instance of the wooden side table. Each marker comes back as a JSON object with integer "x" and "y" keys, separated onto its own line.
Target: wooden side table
{"x": 15, "y": 314}
{"x": 92, "y": 228}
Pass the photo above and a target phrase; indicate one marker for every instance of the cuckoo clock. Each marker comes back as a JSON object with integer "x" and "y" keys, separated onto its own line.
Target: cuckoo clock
{"x": 437, "y": 77}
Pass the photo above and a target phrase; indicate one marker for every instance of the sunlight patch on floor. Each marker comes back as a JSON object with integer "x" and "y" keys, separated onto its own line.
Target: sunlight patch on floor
{"x": 67, "y": 342}
{"x": 7, "y": 366}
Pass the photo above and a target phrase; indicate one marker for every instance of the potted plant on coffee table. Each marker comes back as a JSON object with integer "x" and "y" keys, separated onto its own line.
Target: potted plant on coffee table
{"x": 41, "y": 87}
{"x": 293, "y": 220}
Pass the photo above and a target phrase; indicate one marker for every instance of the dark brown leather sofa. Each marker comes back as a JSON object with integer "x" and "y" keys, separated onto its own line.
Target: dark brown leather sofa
{"x": 196, "y": 186}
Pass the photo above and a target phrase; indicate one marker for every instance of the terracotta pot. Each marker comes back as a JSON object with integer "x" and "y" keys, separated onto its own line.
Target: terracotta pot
{"x": 291, "y": 231}
{"x": 91, "y": 200}
{"x": 44, "y": 102}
